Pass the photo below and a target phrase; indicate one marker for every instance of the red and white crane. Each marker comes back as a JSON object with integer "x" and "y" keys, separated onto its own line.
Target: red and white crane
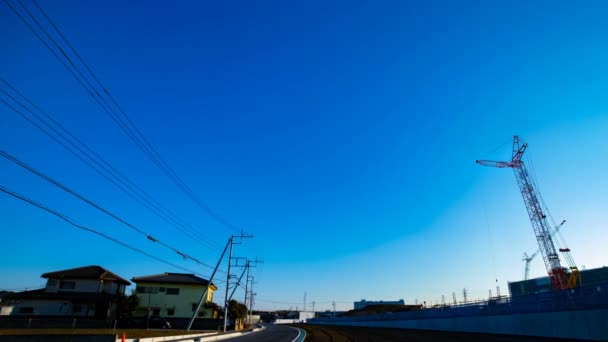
{"x": 528, "y": 258}
{"x": 561, "y": 278}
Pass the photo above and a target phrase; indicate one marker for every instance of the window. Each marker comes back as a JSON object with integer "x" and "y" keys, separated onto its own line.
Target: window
{"x": 194, "y": 306}
{"x": 170, "y": 312}
{"x": 51, "y": 283}
{"x": 26, "y": 310}
{"x": 172, "y": 291}
{"x": 146, "y": 289}
{"x": 77, "y": 308}
{"x": 161, "y": 289}
{"x": 67, "y": 285}
{"x": 155, "y": 312}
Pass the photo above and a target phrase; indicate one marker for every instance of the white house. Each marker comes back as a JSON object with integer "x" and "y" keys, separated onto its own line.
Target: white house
{"x": 89, "y": 291}
{"x": 174, "y": 295}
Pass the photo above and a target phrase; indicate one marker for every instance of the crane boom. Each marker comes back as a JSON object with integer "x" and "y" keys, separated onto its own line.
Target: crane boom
{"x": 529, "y": 259}
{"x": 538, "y": 218}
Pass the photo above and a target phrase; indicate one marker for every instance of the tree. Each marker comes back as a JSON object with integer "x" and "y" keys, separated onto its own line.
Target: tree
{"x": 236, "y": 310}
{"x": 127, "y": 306}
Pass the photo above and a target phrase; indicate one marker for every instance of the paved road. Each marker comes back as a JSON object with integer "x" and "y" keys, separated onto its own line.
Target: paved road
{"x": 328, "y": 333}
{"x": 272, "y": 333}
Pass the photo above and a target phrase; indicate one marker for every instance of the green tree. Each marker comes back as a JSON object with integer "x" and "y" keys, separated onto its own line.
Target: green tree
{"x": 236, "y": 310}
{"x": 127, "y": 306}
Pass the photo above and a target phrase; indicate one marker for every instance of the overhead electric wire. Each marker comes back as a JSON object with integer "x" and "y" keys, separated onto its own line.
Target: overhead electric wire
{"x": 109, "y": 172}
{"x": 98, "y": 207}
{"x": 124, "y": 122}
{"x": 91, "y": 230}
{"x": 94, "y": 93}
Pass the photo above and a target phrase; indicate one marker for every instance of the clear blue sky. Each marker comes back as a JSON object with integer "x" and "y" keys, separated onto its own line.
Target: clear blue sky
{"x": 343, "y": 135}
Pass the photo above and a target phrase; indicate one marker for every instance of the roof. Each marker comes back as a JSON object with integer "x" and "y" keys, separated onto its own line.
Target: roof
{"x": 86, "y": 272}
{"x": 172, "y": 278}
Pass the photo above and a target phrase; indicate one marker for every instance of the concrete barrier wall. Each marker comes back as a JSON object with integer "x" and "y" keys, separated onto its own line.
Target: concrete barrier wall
{"x": 588, "y": 324}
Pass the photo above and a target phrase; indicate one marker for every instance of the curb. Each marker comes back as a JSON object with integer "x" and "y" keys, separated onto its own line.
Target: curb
{"x": 202, "y": 337}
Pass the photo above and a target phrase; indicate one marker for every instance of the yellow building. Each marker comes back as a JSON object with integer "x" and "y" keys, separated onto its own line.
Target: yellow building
{"x": 174, "y": 295}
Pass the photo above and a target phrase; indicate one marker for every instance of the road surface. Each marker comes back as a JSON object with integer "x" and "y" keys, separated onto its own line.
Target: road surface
{"x": 272, "y": 333}
{"x": 325, "y": 333}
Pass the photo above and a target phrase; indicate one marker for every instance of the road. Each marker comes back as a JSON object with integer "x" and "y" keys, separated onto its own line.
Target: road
{"x": 272, "y": 333}
{"x": 318, "y": 333}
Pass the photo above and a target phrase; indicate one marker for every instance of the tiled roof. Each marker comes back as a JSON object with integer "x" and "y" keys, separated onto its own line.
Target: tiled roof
{"x": 86, "y": 272}
{"x": 171, "y": 278}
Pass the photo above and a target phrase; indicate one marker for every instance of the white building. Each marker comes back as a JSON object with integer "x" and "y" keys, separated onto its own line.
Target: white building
{"x": 89, "y": 291}
{"x": 174, "y": 295}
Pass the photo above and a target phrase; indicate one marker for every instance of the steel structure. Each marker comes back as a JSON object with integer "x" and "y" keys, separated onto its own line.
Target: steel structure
{"x": 528, "y": 258}
{"x": 560, "y": 279}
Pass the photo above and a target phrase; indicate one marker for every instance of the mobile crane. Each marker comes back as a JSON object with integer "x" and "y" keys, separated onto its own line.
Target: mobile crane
{"x": 561, "y": 277}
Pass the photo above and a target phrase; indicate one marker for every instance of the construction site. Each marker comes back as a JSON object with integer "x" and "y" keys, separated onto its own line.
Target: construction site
{"x": 568, "y": 303}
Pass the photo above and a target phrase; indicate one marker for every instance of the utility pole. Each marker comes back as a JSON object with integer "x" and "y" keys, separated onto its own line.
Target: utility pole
{"x": 313, "y": 308}
{"x": 246, "y": 267}
{"x": 247, "y": 288}
{"x": 464, "y": 295}
{"x": 228, "y": 283}
{"x": 251, "y": 298}
{"x": 333, "y": 304}
{"x": 454, "y": 298}
{"x": 232, "y": 243}
{"x": 252, "y": 263}
{"x": 204, "y": 295}
{"x": 304, "y": 300}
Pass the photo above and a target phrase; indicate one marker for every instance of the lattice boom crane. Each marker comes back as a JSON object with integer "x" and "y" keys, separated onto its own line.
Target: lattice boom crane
{"x": 540, "y": 224}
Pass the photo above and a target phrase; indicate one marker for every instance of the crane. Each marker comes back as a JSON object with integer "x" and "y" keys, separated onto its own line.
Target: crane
{"x": 558, "y": 274}
{"x": 529, "y": 259}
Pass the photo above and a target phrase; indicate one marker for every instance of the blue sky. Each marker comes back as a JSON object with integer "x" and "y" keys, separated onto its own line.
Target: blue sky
{"x": 343, "y": 136}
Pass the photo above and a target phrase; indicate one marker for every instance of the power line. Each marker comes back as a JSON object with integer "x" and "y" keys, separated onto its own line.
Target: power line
{"x": 85, "y": 154}
{"x": 127, "y": 186}
{"x": 97, "y": 206}
{"x": 91, "y": 230}
{"x": 117, "y": 114}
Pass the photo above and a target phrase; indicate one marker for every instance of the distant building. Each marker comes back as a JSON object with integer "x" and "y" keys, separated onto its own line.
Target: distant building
{"x": 174, "y": 295}
{"x": 303, "y": 316}
{"x": 590, "y": 277}
{"x": 294, "y": 317}
{"x": 363, "y": 303}
{"x": 89, "y": 291}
